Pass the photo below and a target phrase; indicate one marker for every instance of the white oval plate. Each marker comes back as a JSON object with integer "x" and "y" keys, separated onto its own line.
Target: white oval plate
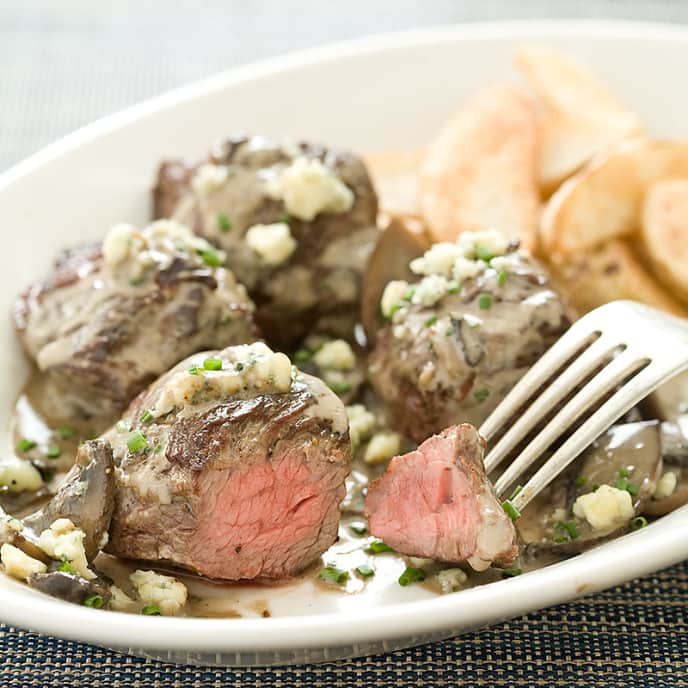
{"x": 377, "y": 93}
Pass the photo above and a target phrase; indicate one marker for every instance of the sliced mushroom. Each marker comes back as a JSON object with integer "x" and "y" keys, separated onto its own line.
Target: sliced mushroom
{"x": 670, "y": 401}
{"x": 630, "y": 452}
{"x": 679, "y": 497}
{"x": 69, "y": 587}
{"x": 86, "y": 497}
{"x": 675, "y": 442}
{"x": 403, "y": 239}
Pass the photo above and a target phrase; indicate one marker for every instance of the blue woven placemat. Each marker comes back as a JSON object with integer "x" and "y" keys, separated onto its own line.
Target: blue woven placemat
{"x": 635, "y": 635}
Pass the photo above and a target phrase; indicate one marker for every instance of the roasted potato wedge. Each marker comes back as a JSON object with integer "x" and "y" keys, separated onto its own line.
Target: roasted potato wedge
{"x": 481, "y": 169}
{"x": 609, "y": 272}
{"x": 605, "y": 199}
{"x": 395, "y": 177}
{"x": 665, "y": 233}
{"x": 579, "y": 117}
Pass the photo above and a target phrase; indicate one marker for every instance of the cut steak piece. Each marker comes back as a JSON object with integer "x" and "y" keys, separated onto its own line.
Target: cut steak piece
{"x": 315, "y": 211}
{"x": 234, "y": 473}
{"x": 452, "y": 359}
{"x": 437, "y": 502}
{"x": 113, "y": 317}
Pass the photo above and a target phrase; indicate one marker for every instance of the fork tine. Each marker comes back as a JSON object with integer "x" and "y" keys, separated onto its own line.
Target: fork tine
{"x": 573, "y": 341}
{"x": 590, "y": 359}
{"x": 645, "y": 382}
{"x": 609, "y": 377}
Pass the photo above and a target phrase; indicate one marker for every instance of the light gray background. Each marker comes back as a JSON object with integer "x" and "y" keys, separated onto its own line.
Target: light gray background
{"x": 64, "y": 63}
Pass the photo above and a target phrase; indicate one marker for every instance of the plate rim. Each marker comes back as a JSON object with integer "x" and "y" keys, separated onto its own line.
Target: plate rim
{"x": 402, "y": 620}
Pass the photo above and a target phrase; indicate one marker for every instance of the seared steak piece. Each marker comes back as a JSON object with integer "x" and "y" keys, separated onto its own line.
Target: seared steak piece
{"x": 112, "y": 318}
{"x": 297, "y": 223}
{"x": 437, "y": 502}
{"x": 232, "y": 466}
{"x": 459, "y": 339}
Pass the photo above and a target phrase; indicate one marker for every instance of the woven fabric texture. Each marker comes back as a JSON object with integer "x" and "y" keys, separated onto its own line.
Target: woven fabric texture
{"x": 633, "y": 636}
{"x": 65, "y": 64}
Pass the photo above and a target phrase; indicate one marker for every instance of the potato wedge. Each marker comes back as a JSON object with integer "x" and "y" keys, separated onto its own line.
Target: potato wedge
{"x": 481, "y": 169}
{"x": 580, "y": 117}
{"x": 665, "y": 233}
{"x": 609, "y": 272}
{"x": 395, "y": 177}
{"x": 605, "y": 199}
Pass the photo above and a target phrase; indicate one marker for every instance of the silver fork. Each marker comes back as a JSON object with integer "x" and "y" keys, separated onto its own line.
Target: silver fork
{"x": 637, "y": 345}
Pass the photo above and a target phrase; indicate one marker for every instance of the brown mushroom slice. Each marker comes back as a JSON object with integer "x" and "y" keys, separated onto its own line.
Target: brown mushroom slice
{"x": 68, "y": 587}
{"x": 630, "y": 451}
{"x": 670, "y": 401}
{"x": 678, "y": 498}
{"x": 675, "y": 442}
{"x": 627, "y": 455}
{"x": 86, "y": 497}
{"x": 403, "y": 239}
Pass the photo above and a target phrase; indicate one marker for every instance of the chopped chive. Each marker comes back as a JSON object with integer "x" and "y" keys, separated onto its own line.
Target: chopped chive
{"x": 581, "y": 480}
{"x": 558, "y": 539}
{"x": 66, "y": 567}
{"x": 393, "y": 310}
{"x": 571, "y": 529}
{"x": 516, "y": 491}
{"x": 365, "y": 570}
{"x": 285, "y": 218}
{"x": 632, "y": 489}
{"x": 331, "y": 574}
{"x": 511, "y": 573}
{"x": 158, "y": 448}
{"x": 359, "y": 528}
{"x": 53, "y": 452}
{"x": 121, "y": 426}
{"x": 194, "y": 370}
{"x": 224, "y": 224}
{"x": 624, "y": 473}
{"x": 638, "y": 522}
{"x": 484, "y": 253}
{"x": 136, "y": 442}
{"x": 408, "y": 296}
{"x": 147, "y": 417}
{"x": 135, "y": 281}
{"x": 66, "y": 432}
{"x": 513, "y": 513}
{"x": 453, "y": 287}
{"x": 485, "y": 301}
{"x": 475, "y": 325}
{"x": 340, "y": 387}
{"x": 595, "y": 487}
{"x": 501, "y": 278}
{"x": 411, "y": 575}
{"x": 94, "y": 601}
{"x": 481, "y": 394}
{"x": 25, "y": 445}
{"x": 151, "y": 610}
{"x": 303, "y": 355}
{"x": 378, "y": 547}
{"x": 621, "y": 483}
{"x": 449, "y": 332}
{"x": 212, "y": 364}
{"x": 431, "y": 321}
{"x": 210, "y": 257}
